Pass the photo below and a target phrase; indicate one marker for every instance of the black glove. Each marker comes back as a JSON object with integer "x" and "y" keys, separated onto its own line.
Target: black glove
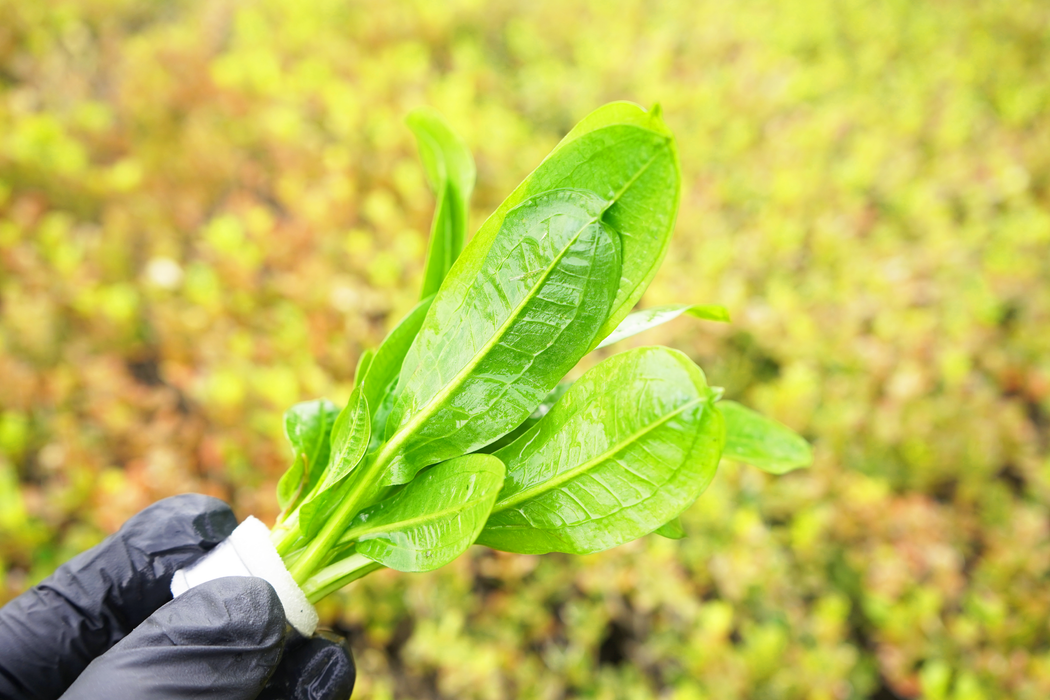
{"x": 104, "y": 625}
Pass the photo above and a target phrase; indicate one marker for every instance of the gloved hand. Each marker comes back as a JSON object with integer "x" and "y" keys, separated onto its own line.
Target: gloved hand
{"x": 104, "y": 624}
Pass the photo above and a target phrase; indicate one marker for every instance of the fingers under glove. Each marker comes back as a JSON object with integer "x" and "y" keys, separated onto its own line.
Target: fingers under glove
{"x": 319, "y": 668}
{"x": 218, "y": 641}
{"x": 50, "y": 634}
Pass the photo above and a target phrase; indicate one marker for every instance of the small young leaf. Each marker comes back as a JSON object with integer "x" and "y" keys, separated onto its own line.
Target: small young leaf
{"x": 631, "y": 445}
{"x": 651, "y": 318}
{"x": 672, "y": 530}
{"x": 433, "y": 519}
{"x": 503, "y": 330}
{"x": 349, "y": 441}
{"x": 762, "y": 442}
{"x": 450, "y": 172}
{"x": 307, "y": 426}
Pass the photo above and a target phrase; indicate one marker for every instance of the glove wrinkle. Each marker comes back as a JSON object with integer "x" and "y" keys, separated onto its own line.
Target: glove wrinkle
{"x": 218, "y": 641}
{"x": 50, "y": 634}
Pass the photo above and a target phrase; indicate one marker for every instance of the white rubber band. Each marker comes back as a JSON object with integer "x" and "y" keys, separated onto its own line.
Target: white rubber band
{"x": 249, "y": 552}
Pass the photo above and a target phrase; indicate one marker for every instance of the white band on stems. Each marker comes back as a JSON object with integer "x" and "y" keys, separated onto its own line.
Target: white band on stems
{"x": 249, "y": 552}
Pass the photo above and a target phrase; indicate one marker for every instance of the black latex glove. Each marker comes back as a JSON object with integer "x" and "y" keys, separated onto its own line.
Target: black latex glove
{"x": 105, "y": 626}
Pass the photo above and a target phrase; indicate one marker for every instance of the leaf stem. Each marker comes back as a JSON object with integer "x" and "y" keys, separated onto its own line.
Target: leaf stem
{"x": 286, "y": 534}
{"x": 321, "y": 544}
{"x": 333, "y": 577}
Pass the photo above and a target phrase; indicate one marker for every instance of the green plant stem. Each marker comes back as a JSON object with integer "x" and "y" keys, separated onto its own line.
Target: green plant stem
{"x": 285, "y": 534}
{"x": 333, "y": 577}
{"x": 291, "y": 540}
{"x": 292, "y": 557}
{"x": 319, "y": 547}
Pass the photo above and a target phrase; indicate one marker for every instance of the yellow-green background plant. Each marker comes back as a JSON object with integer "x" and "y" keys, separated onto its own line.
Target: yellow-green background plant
{"x": 207, "y": 209}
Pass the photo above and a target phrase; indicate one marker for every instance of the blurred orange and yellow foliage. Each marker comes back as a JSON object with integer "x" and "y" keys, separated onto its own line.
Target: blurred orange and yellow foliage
{"x": 208, "y": 209}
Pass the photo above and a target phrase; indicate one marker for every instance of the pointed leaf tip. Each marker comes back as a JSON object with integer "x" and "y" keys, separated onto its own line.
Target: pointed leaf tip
{"x": 651, "y": 318}
{"x": 762, "y": 442}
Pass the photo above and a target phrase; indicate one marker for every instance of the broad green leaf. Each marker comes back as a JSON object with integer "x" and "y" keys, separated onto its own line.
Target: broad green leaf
{"x": 433, "y": 519}
{"x": 450, "y": 171}
{"x": 543, "y": 409}
{"x": 672, "y": 529}
{"x": 651, "y": 318}
{"x": 762, "y": 442}
{"x": 349, "y": 441}
{"x": 509, "y": 321}
{"x": 630, "y": 446}
{"x": 307, "y": 426}
{"x": 380, "y": 384}
{"x": 627, "y": 156}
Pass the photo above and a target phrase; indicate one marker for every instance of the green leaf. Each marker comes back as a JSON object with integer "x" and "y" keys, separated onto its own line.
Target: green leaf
{"x": 651, "y": 318}
{"x": 672, "y": 530}
{"x": 380, "y": 384}
{"x": 349, "y": 441}
{"x": 450, "y": 171}
{"x": 509, "y": 321}
{"x": 307, "y": 426}
{"x": 432, "y": 520}
{"x": 631, "y": 445}
{"x": 543, "y": 409}
{"x": 363, "y": 363}
{"x": 628, "y": 157}
{"x": 762, "y": 442}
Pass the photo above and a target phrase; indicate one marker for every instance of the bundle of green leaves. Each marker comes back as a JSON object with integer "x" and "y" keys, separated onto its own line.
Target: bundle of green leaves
{"x": 460, "y": 428}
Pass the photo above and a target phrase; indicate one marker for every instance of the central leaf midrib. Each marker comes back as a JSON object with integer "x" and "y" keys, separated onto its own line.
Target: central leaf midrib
{"x": 430, "y": 406}
{"x": 633, "y": 179}
{"x": 569, "y": 474}
{"x": 357, "y": 533}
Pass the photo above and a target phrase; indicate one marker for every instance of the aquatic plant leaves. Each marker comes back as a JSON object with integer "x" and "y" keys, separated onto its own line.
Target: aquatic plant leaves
{"x": 475, "y": 367}
{"x": 349, "y": 440}
{"x": 631, "y": 445}
{"x": 643, "y": 320}
{"x": 307, "y": 426}
{"x": 762, "y": 442}
{"x": 450, "y": 171}
{"x": 509, "y": 321}
{"x": 433, "y": 519}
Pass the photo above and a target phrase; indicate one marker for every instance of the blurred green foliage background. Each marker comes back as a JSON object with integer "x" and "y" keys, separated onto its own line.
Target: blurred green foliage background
{"x": 209, "y": 208}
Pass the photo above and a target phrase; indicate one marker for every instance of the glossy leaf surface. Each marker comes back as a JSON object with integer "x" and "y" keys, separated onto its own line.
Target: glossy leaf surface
{"x": 450, "y": 172}
{"x": 643, "y": 320}
{"x": 672, "y": 530}
{"x": 543, "y": 409}
{"x": 508, "y": 323}
{"x": 433, "y": 519}
{"x": 307, "y": 426}
{"x": 629, "y": 446}
{"x": 627, "y": 156}
{"x": 762, "y": 442}
{"x": 380, "y": 384}
{"x": 349, "y": 441}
